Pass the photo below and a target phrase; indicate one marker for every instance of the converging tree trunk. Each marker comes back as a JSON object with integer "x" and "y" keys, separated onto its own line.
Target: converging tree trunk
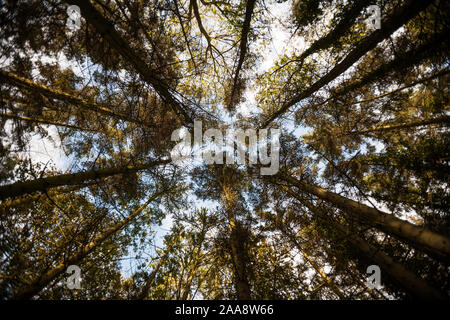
{"x": 106, "y": 29}
{"x": 42, "y": 184}
{"x": 443, "y": 120}
{"x": 389, "y": 25}
{"x": 40, "y": 282}
{"x": 44, "y": 121}
{"x": 27, "y": 84}
{"x": 239, "y": 237}
{"x": 417, "y": 286}
{"x": 239, "y": 243}
{"x": 420, "y": 237}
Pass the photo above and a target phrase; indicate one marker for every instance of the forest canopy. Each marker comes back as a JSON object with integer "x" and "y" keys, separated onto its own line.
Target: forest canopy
{"x": 347, "y": 102}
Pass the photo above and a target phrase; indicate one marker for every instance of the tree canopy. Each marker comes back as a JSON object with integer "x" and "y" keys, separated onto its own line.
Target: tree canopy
{"x": 364, "y": 149}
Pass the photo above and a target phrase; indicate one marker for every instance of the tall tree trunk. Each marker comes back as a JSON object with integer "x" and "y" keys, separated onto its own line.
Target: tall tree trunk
{"x": 443, "y": 120}
{"x": 106, "y": 29}
{"x": 421, "y": 238}
{"x": 402, "y": 61}
{"x": 44, "y": 121}
{"x": 400, "y": 16}
{"x": 345, "y": 23}
{"x": 36, "y": 285}
{"x": 34, "y": 197}
{"x": 413, "y": 284}
{"x": 42, "y": 184}
{"x": 367, "y": 80}
{"x": 250, "y": 6}
{"x": 238, "y": 239}
{"x": 27, "y": 84}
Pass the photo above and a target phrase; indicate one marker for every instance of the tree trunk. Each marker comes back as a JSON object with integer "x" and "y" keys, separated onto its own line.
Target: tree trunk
{"x": 413, "y": 284}
{"x": 27, "y": 84}
{"x": 399, "y": 17}
{"x": 400, "y": 62}
{"x": 47, "y": 122}
{"x": 42, "y": 184}
{"x": 335, "y": 35}
{"x": 42, "y": 281}
{"x": 238, "y": 241}
{"x": 106, "y": 29}
{"x": 421, "y": 238}
{"x": 34, "y": 197}
{"x": 190, "y": 278}
{"x": 443, "y": 120}
{"x": 250, "y": 6}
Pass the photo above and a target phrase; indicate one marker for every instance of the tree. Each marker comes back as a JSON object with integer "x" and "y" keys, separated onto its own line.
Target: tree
{"x": 363, "y": 160}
